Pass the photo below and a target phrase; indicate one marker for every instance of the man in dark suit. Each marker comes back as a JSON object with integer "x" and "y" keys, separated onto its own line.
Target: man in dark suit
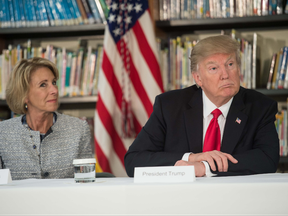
{"x": 177, "y": 132}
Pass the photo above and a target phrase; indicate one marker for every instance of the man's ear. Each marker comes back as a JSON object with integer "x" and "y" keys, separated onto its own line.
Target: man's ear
{"x": 197, "y": 78}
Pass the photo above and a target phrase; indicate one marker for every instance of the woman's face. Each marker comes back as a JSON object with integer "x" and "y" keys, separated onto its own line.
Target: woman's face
{"x": 43, "y": 93}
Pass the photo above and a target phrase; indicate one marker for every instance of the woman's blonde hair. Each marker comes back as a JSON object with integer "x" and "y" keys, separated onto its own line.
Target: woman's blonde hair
{"x": 223, "y": 44}
{"x": 18, "y": 84}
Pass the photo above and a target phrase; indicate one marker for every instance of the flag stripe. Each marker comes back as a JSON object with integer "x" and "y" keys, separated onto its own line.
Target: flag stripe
{"x": 112, "y": 79}
{"x": 102, "y": 158}
{"x": 148, "y": 54}
{"x": 135, "y": 79}
{"x": 108, "y": 124}
{"x": 110, "y": 76}
{"x": 105, "y": 143}
{"x": 149, "y": 83}
{"x": 148, "y": 31}
{"x": 137, "y": 105}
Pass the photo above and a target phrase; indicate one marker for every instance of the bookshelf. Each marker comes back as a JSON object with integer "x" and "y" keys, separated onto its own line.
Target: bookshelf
{"x": 168, "y": 27}
{"x": 276, "y": 94}
{"x": 78, "y": 102}
{"x": 58, "y": 35}
{"x": 52, "y": 31}
{"x": 244, "y": 23}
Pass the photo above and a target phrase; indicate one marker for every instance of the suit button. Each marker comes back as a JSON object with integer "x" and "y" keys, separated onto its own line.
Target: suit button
{"x": 34, "y": 147}
{"x": 46, "y": 174}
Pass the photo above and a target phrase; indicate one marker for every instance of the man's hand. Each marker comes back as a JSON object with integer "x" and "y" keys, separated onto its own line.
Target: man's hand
{"x": 211, "y": 157}
{"x": 198, "y": 167}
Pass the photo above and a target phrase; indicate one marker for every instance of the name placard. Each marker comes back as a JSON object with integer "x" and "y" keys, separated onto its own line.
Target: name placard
{"x": 5, "y": 176}
{"x": 164, "y": 174}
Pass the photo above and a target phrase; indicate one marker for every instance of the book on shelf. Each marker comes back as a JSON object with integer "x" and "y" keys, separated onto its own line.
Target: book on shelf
{"x": 272, "y": 9}
{"x": 281, "y": 127}
{"x": 271, "y": 71}
{"x": 78, "y": 72}
{"x": 97, "y": 69}
{"x": 184, "y": 9}
{"x": 199, "y": 9}
{"x": 95, "y": 11}
{"x": 85, "y": 74}
{"x": 59, "y": 65}
{"x": 63, "y": 71}
{"x": 92, "y": 73}
{"x": 103, "y": 10}
{"x": 60, "y": 10}
{"x": 73, "y": 4}
{"x": 32, "y": 11}
{"x": 277, "y": 72}
{"x": 68, "y": 73}
{"x": 175, "y": 9}
{"x": 82, "y": 12}
{"x": 42, "y": 13}
{"x": 282, "y": 71}
{"x": 70, "y": 16}
{"x": 105, "y": 6}
{"x": 256, "y": 52}
{"x": 278, "y": 57}
{"x": 49, "y": 13}
{"x": 70, "y": 12}
{"x": 11, "y": 13}
{"x": 88, "y": 12}
{"x": 166, "y": 9}
{"x": 16, "y": 9}
{"x": 72, "y": 74}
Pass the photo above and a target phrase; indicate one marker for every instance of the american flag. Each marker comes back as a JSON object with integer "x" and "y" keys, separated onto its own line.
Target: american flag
{"x": 129, "y": 80}
{"x": 238, "y": 120}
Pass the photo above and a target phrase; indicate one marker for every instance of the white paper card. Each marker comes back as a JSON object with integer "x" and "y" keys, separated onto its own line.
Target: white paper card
{"x": 5, "y": 176}
{"x": 164, "y": 174}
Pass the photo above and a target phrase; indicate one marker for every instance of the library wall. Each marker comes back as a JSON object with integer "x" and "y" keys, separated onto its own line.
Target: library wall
{"x": 274, "y": 39}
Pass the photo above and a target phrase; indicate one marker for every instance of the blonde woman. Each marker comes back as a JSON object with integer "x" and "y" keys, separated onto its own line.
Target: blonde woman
{"x": 41, "y": 143}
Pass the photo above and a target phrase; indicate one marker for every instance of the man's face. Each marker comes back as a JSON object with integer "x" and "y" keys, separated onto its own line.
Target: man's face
{"x": 219, "y": 77}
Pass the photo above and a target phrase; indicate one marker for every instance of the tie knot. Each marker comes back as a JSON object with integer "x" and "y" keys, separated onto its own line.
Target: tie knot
{"x": 216, "y": 113}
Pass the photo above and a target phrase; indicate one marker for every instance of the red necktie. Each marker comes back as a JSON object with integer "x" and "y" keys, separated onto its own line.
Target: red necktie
{"x": 213, "y": 136}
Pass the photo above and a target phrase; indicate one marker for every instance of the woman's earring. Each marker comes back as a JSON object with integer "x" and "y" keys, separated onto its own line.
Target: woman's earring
{"x": 26, "y": 107}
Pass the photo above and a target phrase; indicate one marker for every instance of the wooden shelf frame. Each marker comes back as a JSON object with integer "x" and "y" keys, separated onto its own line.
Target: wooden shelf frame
{"x": 244, "y": 23}
{"x": 52, "y": 31}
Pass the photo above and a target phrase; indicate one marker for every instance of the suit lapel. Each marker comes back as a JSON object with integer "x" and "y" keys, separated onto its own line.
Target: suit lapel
{"x": 235, "y": 123}
{"x": 193, "y": 116}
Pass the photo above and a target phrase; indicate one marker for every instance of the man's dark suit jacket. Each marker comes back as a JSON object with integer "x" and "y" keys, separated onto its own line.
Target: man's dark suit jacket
{"x": 176, "y": 127}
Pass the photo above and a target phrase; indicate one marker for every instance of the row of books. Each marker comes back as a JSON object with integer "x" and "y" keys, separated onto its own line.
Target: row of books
{"x": 199, "y": 9}
{"x": 33, "y": 13}
{"x": 282, "y": 126}
{"x": 78, "y": 71}
{"x": 175, "y": 62}
{"x": 278, "y": 73}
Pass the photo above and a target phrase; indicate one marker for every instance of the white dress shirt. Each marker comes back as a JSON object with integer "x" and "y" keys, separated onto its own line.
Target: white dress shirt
{"x": 208, "y": 107}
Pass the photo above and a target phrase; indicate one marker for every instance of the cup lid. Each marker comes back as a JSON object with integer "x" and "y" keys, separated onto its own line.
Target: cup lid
{"x": 84, "y": 161}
